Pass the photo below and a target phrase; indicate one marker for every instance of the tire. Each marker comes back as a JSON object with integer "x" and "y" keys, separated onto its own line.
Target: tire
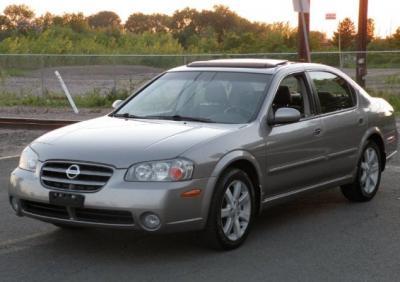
{"x": 232, "y": 211}
{"x": 368, "y": 177}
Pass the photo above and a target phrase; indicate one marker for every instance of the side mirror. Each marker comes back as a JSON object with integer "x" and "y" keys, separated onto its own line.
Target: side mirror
{"x": 285, "y": 115}
{"x": 116, "y": 103}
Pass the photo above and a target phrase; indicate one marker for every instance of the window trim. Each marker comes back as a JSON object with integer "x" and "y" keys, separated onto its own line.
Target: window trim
{"x": 353, "y": 93}
{"x": 310, "y": 95}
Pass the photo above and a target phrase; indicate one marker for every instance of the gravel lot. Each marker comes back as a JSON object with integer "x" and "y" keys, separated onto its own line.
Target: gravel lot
{"x": 12, "y": 141}
{"x": 52, "y": 113}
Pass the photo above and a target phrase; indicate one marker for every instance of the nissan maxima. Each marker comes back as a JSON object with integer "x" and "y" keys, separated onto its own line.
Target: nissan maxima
{"x": 207, "y": 146}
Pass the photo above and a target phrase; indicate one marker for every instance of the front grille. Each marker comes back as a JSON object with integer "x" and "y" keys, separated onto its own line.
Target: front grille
{"x": 79, "y": 214}
{"x": 91, "y": 177}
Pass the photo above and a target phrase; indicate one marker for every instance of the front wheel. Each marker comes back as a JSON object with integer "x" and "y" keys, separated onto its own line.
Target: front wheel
{"x": 231, "y": 211}
{"x": 368, "y": 177}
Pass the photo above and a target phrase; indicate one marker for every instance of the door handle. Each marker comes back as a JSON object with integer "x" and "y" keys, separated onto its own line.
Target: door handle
{"x": 317, "y": 131}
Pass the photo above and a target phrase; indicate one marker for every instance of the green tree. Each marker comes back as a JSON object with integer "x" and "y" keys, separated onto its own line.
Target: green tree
{"x": 370, "y": 30}
{"x": 45, "y": 21}
{"x": 394, "y": 39}
{"x": 347, "y": 31}
{"x": 139, "y": 23}
{"x": 185, "y": 24}
{"x": 4, "y": 23}
{"x": 104, "y": 19}
{"x": 317, "y": 40}
{"x": 20, "y": 17}
{"x": 77, "y": 21}
{"x": 223, "y": 21}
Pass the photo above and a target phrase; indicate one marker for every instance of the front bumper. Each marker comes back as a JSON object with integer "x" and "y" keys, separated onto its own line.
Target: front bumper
{"x": 117, "y": 196}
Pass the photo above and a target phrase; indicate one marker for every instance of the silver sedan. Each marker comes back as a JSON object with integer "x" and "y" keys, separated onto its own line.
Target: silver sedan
{"x": 208, "y": 146}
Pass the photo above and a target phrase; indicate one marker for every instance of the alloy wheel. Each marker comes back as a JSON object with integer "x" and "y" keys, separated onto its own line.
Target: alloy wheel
{"x": 369, "y": 170}
{"x": 236, "y": 210}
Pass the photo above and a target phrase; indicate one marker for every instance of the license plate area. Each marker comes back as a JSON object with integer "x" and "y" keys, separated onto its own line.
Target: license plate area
{"x": 66, "y": 199}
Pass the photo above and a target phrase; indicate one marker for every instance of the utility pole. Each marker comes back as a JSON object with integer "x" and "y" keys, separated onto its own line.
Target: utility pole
{"x": 361, "y": 70}
{"x": 303, "y": 8}
{"x": 303, "y": 37}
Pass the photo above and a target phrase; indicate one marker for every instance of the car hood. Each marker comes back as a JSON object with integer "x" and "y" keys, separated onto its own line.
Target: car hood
{"x": 122, "y": 142}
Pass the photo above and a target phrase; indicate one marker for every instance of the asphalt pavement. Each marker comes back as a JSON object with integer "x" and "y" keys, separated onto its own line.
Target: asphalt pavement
{"x": 318, "y": 237}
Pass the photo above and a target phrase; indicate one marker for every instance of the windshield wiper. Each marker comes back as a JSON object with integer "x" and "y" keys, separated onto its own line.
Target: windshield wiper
{"x": 174, "y": 117}
{"x": 125, "y": 115}
{"x": 181, "y": 118}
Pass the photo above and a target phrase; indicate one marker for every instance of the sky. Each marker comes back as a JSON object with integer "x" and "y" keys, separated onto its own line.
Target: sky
{"x": 385, "y": 12}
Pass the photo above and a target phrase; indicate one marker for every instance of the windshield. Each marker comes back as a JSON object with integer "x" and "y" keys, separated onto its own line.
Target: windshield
{"x": 220, "y": 97}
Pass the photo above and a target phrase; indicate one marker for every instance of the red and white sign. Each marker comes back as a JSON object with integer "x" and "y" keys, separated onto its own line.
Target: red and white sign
{"x": 330, "y": 16}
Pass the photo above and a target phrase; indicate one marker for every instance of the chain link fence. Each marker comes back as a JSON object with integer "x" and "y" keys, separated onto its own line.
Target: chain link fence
{"x": 33, "y": 74}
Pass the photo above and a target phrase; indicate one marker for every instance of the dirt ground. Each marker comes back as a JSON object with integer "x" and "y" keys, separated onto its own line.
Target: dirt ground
{"x": 52, "y": 113}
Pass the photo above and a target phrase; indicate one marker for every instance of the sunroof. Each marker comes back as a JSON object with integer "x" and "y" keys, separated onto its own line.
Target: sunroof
{"x": 239, "y": 63}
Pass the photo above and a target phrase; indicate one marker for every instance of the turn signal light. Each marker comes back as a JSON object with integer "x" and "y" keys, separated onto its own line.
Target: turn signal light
{"x": 191, "y": 193}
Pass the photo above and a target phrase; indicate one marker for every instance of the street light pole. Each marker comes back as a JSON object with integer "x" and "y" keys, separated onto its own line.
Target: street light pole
{"x": 332, "y": 16}
{"x": 340, "y": 49}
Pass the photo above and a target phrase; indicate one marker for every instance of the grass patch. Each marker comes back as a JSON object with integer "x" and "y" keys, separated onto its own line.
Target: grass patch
{"x": 11, "y": 72}
{"x": 392, "y": 79}
{"x": 90, "y": 100}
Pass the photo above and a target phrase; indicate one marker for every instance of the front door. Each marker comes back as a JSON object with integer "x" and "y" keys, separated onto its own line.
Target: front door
{"x": 295, "y": 152}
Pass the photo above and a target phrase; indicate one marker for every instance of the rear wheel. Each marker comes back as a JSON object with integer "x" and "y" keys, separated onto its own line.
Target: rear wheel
{"x": 231, "y": 211}
{"x": 368, "y": 178}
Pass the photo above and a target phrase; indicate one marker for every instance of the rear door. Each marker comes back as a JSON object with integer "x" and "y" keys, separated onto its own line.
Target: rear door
{"x": 343, "y": 123}
{"x": 295, "y": 152}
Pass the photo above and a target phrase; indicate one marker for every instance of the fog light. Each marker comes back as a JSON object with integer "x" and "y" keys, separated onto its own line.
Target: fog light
{"x": 15, "y": 204}
{"x": 151, "y": 221}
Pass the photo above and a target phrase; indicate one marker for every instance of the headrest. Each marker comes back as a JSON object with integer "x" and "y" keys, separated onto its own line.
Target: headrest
{"x": 283, "y": 97}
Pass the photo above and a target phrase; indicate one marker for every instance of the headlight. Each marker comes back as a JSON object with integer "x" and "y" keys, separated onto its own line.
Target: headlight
{"x": 28, "y": 159}
{"x": 169, "y": 170}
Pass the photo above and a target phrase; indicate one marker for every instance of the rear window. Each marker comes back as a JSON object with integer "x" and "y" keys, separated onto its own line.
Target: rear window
{"x": 334, "y": 93}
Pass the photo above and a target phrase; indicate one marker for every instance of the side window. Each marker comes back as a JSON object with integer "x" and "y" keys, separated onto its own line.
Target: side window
{"x": 293, "y": 93}
{"x": 334, "y": 93}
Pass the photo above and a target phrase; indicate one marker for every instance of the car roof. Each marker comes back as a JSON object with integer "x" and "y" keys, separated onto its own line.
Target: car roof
{"x": 268, "y": 66}
{"x": 239, "y": 63}
{"x": 264, "y": 66}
